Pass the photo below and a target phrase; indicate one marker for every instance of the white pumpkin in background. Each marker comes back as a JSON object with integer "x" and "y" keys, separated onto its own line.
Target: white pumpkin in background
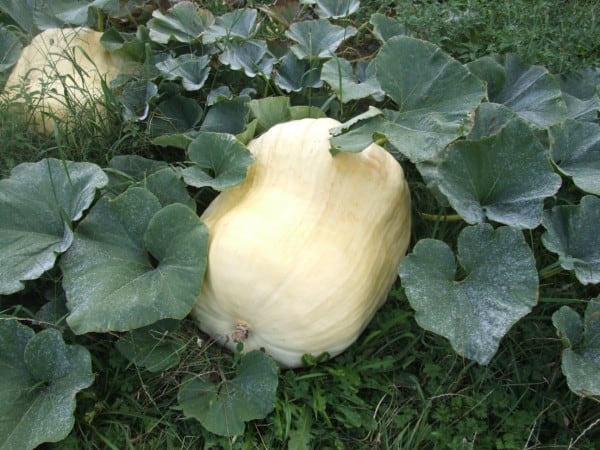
{"x": 306, "y": 249}
{"x": 60, "y": 71}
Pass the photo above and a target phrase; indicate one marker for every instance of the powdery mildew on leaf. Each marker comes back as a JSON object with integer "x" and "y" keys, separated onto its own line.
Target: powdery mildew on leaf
{"x": 499, "y": 287}
{"x": 38, "y": 202}
{"x": 184, "y": 22}
{"x": 109, "y": 276}
{"x": 572, "y": 233}
{"x": 219, "y": 161}
{"x": 532, "y": 92}
{"x": 434, "y": 96}
{"x": 581, "y": 357}
{"x": 41, "y": 375}
{"x": 317, "y": 38}
{"x": 192, "y": 70}
{"x": 504, "y": 177}
{"x": 575, "y": 149}
{"x": 223, "y": 408}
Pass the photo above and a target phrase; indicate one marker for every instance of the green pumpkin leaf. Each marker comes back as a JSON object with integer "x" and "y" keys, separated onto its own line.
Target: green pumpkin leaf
{"x": 583, "y": 110}
{"x": 136, "y": 98}
{"x": 153, "y": 347}
{"x": 72, "y": 12}
{"x": 168, "y": 187}
{"x": 38, "y": 203}
{"x": 357, "y": 133}
{"x": 581, "y": 94}
{"x": 270, "y": 111}
{"x": 240, "y": 24}
{"x": 532, "y": 92}
{"x": 192, "y": 70}
{"x": 294, "y": 74}
{"x": 176, "y": 140}
{"x": 348, "y": 83}
{"x": 504, "y": 177}
{"x": 333, "y": 9}
{"x": 224, "y": 407}
{"x": 220, "y": 161}
{"x": 572, "y": 233}
{"x": 158, "y": 177}
{"x": 490, "y": 118}
{"x": 184, "y": 22}
{"x": 39, "y": 378}
{"x": 385, "y": 27}
{"x": 175, "y": 115}
{"x": 10, "y": 49}
{"x": 227, "y": 116}
{"x": 305, "y": 112}
{"x": 434, "y": 94}
{"x": 575, "y": 149}
{"x": 581, "y": 357}
{"x": 54, "y": 311}
{"x": 317, "y": 38}
{"x": 490, "y": 70}
{"x": 251, "y": 56}
{"x": 499, "y": 286}
{"x": 133, "y": 263}
{"x": 21, "y": 11}
{"x": 135, "y": 167}
{"x": 130, "y": 45}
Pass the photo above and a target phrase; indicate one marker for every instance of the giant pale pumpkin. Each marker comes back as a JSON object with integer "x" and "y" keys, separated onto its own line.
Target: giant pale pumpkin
{"x": 305, "y": 250}
{"x": 60, "y": 72}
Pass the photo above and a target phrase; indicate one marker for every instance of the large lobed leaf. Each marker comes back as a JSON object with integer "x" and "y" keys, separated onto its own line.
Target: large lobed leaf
{"x": 532, "y": 92}
{"x": 223, "y": 408}
{"x": 294, "y": 74}
{"x": 503, "y": 177}
{"x": 582, "y": 94}
{"x": 21, "y": 11}
{"x": 38, "y": 203}
{"x": 184, "y": 22}
{"x": 575, "y": 149}
{"x": 10, "y": 49}
{"x": 581, "y": 357}
{"x": 227, "y": 116}
{"x": 334, "y": 9}
{"x": 158, "y": 177}
{"x": 192, "y": 70}
{"x": 317, "y": 38}
{"x": 572, "y": 233}
{"x": 219, "y": 160}
{"x": 152, "y": 347}
{"x": 136, "y": 97}
{"x": 175, "y": 115}
{"x": 238, "y": 24}
{"x": 499, "y": 286}
{"x": 434, "y": 95}
{"x": 133, "y": 263}
{"x": 39, "y": 378}
{"x": 270, "y": 111}
{"x": 351, "y": 83}
{"x": 251, "y": 56}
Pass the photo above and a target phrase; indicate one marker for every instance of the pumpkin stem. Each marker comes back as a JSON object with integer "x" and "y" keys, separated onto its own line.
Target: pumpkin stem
{"x": 241, "y": 331}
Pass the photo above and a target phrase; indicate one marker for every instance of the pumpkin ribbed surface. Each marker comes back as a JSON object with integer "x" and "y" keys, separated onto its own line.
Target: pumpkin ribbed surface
{"x": 305, "y": 250}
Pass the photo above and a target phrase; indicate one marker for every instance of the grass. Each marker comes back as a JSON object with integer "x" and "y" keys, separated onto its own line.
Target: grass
{"x": 398, "y": 387}
{"x": 422, "y": 397}
{"x": 562, "y": 38}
